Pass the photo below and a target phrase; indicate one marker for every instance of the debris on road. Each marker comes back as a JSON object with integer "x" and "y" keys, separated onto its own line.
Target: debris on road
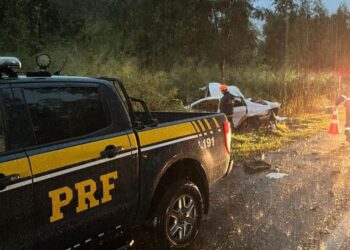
{"x": 280, "y": 119}
{"x": 324, "y": 231}
{"x": 275, "y": 176}
{"x": 314, "y": 206}
{"x": 299, "y": 213}
{"x": 256, "y": 164}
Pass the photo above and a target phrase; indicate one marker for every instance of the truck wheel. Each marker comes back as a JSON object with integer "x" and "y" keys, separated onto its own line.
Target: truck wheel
{"x": 178, "y": 215}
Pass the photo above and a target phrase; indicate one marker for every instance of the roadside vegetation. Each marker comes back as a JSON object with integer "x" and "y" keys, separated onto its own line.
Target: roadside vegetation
{"x": 165, "y": 51}
{"x": 178, "y": 86}
{"x": 256, "y": 143}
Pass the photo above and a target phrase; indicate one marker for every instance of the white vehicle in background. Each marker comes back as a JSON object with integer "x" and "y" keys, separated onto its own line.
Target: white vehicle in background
{"x": 248, "y": 113}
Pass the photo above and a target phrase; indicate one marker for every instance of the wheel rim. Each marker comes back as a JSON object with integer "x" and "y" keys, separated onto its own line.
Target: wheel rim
{"x": 181, "y": 219}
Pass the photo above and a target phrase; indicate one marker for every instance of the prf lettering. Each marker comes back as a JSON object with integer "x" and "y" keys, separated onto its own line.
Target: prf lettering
{"x": 86, "y": 190}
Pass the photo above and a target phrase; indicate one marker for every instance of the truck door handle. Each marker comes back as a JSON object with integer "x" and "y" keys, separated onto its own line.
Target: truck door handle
{"x": 111, "y": 151}
{"x": 6, "y": 180}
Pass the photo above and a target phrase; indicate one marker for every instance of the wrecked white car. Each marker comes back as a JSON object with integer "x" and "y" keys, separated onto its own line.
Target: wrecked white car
{"x": 248, "y": 113}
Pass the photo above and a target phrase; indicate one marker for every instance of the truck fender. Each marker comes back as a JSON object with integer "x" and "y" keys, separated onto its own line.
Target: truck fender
{"x": 174, "y": 170}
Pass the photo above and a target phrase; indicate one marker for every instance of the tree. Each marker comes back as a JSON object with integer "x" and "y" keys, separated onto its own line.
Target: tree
{"x": 235, "y": 33}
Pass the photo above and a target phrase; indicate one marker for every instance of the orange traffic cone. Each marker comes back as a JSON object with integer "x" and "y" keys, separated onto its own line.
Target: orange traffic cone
{"x": 334, "y": 127}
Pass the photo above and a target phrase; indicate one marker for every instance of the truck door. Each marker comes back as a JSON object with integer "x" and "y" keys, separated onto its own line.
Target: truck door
{"x": 84, "y": 173}
{"x": 16, "y": 190}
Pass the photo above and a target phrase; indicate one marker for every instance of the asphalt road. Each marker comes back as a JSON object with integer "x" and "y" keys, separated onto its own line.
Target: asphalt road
{"x": 308, "y": 209}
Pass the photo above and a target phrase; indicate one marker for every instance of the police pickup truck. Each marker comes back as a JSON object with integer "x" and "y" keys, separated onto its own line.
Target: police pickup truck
{"x": 78, "y": 162}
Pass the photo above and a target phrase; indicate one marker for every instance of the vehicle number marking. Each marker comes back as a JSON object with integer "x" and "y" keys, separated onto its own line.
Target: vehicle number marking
{"x": 207, "y": 142}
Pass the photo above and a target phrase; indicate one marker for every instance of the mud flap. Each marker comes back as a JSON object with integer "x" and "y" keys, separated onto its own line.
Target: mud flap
{"x": 229, "y": 168}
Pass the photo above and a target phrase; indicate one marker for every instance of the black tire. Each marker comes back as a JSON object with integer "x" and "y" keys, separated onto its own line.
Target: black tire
{"x": 180, "y": 232}
{"x": 271, "y": 123}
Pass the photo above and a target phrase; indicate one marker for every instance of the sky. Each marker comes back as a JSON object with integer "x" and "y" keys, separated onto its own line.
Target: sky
{"x": 331, "y": 5}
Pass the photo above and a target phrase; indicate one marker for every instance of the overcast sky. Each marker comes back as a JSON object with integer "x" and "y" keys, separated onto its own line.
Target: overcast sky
{"x": 331, "y": 5}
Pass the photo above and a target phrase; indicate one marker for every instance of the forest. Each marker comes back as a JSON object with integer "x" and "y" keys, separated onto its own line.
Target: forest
{"x": 165, "y": 50}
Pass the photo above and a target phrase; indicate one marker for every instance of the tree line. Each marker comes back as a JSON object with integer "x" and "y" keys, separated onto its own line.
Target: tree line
{"x": 213, "y": 38}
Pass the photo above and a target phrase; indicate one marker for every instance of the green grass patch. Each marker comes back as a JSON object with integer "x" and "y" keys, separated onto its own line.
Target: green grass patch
{"x": 296, "y": 128}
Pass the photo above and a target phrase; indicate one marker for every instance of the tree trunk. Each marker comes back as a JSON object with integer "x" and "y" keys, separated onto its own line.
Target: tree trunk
{"x": 222, "y": 69}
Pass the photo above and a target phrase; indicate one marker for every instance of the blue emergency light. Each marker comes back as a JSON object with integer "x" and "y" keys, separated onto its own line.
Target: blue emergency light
{"x": 9, "y": 66}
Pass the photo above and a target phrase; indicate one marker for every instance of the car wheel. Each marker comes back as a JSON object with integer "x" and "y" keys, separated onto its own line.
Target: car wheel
{"x": 272, "y": 120}
{"x": 178, "y": 215}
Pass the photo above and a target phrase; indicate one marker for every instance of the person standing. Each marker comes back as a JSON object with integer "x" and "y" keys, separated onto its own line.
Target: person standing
{"x": 227, "y": 103}
{"x": 345, "y": 98}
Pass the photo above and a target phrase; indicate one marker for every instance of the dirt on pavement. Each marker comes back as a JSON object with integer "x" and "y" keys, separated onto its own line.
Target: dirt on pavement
{"x": 307, "y": 209}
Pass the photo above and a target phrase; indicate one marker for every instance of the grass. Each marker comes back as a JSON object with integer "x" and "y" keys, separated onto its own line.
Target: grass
{"x": 296, "y": 128}
{"x": 169, "y": 88}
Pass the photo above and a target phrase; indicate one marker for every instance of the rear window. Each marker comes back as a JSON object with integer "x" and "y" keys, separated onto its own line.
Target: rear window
{"x": 61, "y": 113}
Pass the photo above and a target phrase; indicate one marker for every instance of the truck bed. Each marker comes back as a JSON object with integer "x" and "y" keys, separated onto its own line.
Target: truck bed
{"x": 164, "y": 117}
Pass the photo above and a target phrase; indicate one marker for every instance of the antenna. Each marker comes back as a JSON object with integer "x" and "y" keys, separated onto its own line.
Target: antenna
{"x": 58, "y": 72}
